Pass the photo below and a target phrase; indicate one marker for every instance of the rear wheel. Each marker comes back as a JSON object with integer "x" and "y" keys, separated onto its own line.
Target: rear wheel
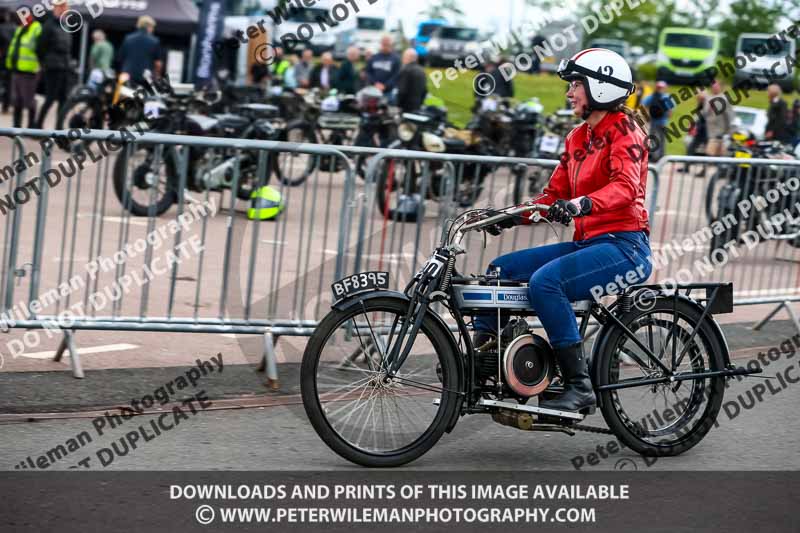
{"x": 666, "y": 418}
{"x": 727, "y": 214}
{"x": 396, "y": 189}
{"x": 294, "y": 168}
{"x": 718, "y": 180}
{"x": 361, "y": 414}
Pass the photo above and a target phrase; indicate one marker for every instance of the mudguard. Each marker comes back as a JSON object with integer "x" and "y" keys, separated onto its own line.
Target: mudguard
{"x": 604, "y": 333}
{"x": 347, "y": 303}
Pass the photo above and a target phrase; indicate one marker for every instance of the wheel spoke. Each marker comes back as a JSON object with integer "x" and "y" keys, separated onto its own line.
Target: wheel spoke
{"x": 364, "y": 408}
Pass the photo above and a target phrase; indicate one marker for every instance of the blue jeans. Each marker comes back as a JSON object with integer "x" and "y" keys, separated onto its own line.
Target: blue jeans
{"x": 558, "y": 274}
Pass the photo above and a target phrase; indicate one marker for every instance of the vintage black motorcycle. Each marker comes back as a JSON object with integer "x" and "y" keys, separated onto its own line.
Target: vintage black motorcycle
{"x": 733, "y": 183}
{"x": 147, "y": 178}
{"x": 383, "y": 376}
{"x": 402, "y": 185}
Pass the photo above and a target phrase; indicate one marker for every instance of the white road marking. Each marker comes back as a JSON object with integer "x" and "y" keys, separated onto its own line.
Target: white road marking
{"x": 119, "y": 220}
{"x": 82, "y": 351}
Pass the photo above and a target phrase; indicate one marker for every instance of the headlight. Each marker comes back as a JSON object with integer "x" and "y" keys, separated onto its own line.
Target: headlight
{"x": 406, "y": 131}
{"x": 662, "y": 58}
{"x": 432, "y": 143}
{"x": 434, "y": 44}
{"x": 709, "y": 60}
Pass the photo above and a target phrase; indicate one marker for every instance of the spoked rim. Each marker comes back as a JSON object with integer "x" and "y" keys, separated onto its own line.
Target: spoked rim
{"x": 367, "y": 410}
{"x": 144, "y": 185}
{"x": 295, "y": 166}
{"x": 664, "y": 413}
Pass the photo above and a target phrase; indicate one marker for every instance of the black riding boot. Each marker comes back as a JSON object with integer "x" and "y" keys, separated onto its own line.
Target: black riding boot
{"x": 578, "y": 393}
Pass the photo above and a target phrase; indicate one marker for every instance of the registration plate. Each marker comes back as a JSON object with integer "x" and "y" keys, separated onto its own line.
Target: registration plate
{"x": 366, "y": 281}
{"x": 549, "y": 144}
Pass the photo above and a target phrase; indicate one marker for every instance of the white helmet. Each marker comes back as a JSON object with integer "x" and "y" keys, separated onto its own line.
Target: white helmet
{"x": 606, "y": 76}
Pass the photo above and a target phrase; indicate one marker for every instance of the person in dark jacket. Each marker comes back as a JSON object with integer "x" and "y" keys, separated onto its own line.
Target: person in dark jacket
{"x": 700, "y": 136}
{"x": 383, "y": 67}
{"x": 504, "y": 88}
{"x": 141, "y": 51}
{"x": 500, "y": 86}
{"x": 795, "y": 127}
{"x": 778, "y": 127}
{"x": 324, "y": 75}
{"x": 55, "y": 53}
{"x": 412, "y": 84}
{"x": 348, "y": 81}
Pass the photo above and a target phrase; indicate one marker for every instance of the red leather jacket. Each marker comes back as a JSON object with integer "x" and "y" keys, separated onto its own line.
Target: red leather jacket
{"x": 607, "y": 163}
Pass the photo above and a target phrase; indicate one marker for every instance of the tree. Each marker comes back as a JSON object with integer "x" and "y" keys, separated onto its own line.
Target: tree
{"x": 444, "y": 8}
{"x": 749, "y": 16}
{"x": 702, "y": 12}
{"x": 639, "y": 26}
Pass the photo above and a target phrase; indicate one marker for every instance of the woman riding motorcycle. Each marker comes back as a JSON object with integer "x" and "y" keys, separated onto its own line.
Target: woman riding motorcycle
{"x": 600, "y": 182}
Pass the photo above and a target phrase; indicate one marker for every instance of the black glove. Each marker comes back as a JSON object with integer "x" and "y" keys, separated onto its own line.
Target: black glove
{"x": 562, "y": 211}
{"x": 586, "y": 206}
{"x": 497, "y": 229}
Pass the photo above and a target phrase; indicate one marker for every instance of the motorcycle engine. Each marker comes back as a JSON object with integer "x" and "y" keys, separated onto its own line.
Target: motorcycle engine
{"x": 528, "y": 362}
{"x": 528, "y": 365}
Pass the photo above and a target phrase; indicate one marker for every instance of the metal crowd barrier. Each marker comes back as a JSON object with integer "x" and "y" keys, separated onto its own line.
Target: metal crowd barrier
{"x": 273, "y": 279}
{"x": 731, "y": 219}
{"x": 247, "y": 278}
{"x": 242, "y": 277}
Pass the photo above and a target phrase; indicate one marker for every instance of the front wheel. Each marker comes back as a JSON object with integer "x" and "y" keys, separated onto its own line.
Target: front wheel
{"x": 143, "y": 189}
{"x": 361, "y": 414}
{"x": 661, "y": 419}
{"x": 78, "y": 114}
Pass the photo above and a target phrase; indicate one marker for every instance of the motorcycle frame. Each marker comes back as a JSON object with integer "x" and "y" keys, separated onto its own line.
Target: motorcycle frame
{"x": 424, "y": 290}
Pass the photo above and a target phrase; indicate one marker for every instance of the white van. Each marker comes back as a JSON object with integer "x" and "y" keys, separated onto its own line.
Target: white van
{"x": 301, "y": 28}
{"x": 366, "y": 36}
{"x": 765, "y": 55}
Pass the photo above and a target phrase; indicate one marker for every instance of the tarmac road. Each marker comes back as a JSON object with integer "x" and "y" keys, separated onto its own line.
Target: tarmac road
{"x": 764, "y": 437}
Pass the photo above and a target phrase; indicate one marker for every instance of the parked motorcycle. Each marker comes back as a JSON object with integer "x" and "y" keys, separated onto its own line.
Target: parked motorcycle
{"x": 153, "y": 182}
{"x": 363, "y": 119}
{"x": 402, "y": 185}
{"x": 741, "y": 145}
{"x": 731, "y": 184}
{"x": 383, "y": 377}
{"x": 107, "y": 101}
{"x": 514, "y": 130}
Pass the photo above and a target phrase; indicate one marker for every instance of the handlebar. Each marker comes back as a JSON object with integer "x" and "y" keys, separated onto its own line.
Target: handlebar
{"x": 508, "y": 213}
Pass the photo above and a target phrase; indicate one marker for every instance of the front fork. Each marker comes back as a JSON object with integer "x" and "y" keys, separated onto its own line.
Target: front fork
{"x": 405, "y": 338}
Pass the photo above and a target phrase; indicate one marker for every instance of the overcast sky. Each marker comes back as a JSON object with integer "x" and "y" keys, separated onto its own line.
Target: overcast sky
{"x": 486, "y": 15}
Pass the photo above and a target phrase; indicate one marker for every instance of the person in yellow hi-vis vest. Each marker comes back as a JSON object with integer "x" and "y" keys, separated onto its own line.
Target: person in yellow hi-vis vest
{"x": 23, "y": 63}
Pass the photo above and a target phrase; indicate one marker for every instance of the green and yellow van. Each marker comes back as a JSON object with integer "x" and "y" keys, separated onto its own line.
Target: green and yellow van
{"x": 684, "y": 54}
